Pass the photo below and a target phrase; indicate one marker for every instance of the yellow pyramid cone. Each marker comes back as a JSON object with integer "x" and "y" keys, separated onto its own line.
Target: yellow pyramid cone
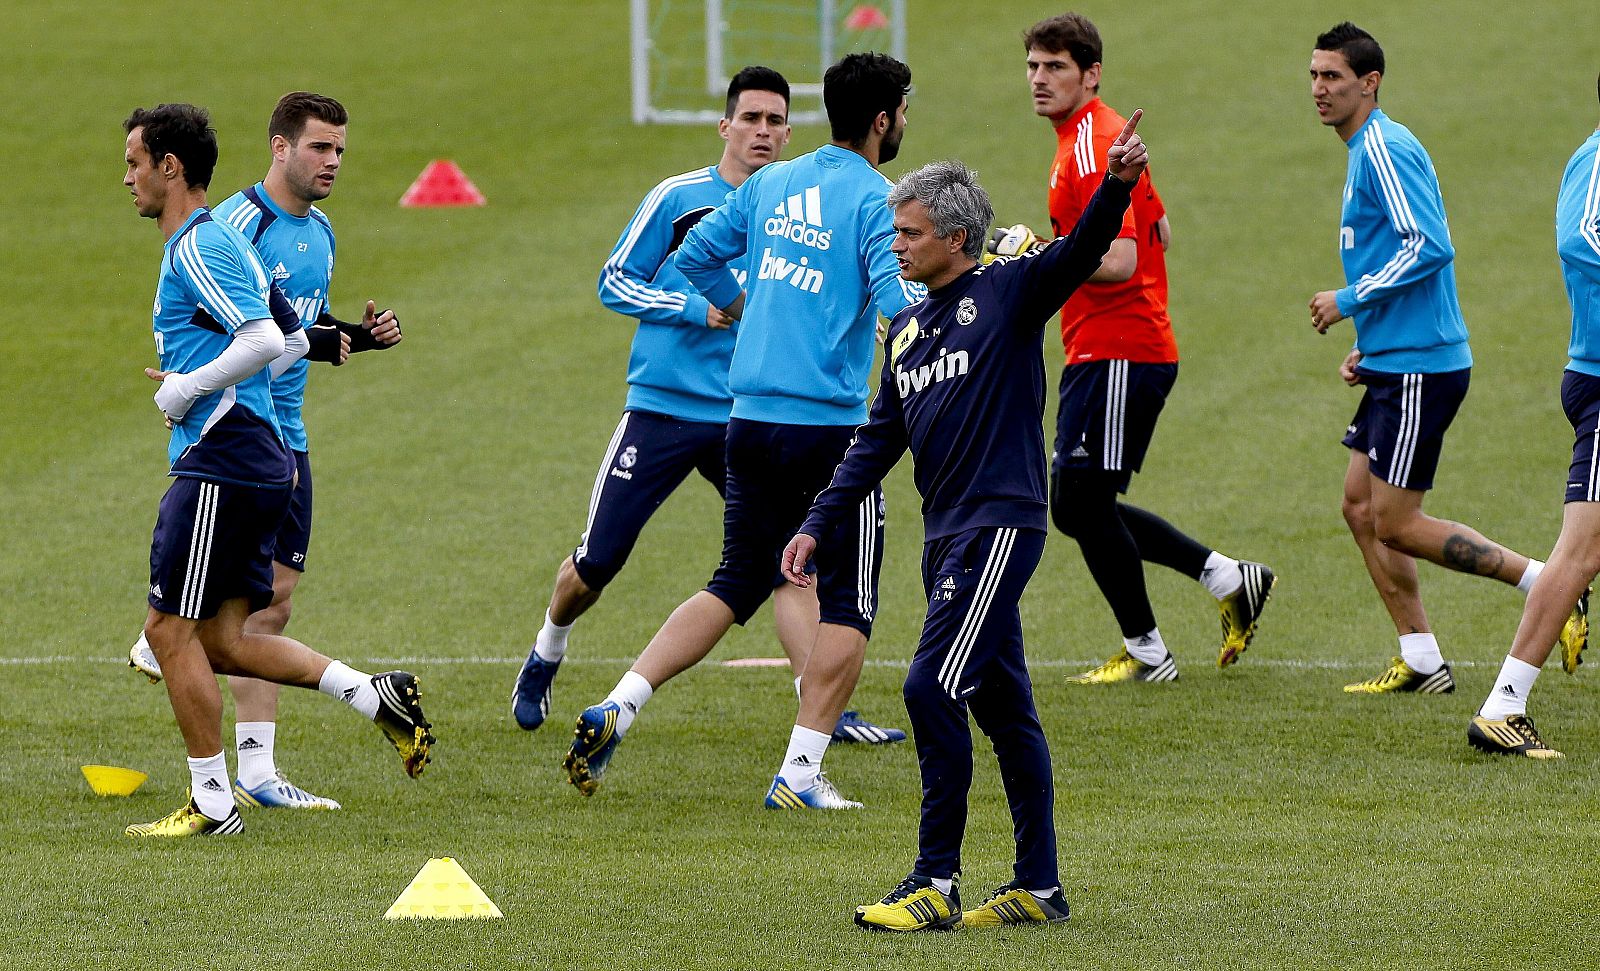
{"x": 441, "y": 890}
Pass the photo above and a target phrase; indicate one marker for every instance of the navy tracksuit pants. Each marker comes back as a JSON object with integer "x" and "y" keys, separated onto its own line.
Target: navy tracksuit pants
{"x": 970, "y": 659}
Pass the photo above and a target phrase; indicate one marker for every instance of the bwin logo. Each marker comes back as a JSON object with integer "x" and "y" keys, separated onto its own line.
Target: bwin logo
{"x": 800, "y": 219}
{"x": 799, "y": 275}
{"x": 946, "y": 367}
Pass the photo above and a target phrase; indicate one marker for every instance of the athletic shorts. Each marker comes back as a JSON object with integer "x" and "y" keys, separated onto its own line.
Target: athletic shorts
{"x": 1401, "y": 421}
{"x": 1108, "y": 414}
{"x": 774, "y": 474}
{"x": 294, "y": 536}
{"x": 213, "y": 542}
{"x": 1580, "y": 399}
{"x": 649, "y": 456}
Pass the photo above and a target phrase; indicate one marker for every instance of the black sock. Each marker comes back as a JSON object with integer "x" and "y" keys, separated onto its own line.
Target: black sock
{"x": 1084, "y": 506}
{"x": 1160, "y": 542}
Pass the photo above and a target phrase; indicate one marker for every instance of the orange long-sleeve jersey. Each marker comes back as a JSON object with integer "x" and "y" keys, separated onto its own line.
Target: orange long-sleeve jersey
{"x": 1110, "y": 321}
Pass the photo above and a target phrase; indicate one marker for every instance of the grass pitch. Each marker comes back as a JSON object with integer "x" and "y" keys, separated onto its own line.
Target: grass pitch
{"x": 1254, "y": 818}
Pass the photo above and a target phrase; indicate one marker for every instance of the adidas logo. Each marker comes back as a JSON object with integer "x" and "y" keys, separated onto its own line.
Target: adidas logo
{"x": 1080, "y": 453}
{"x": 155, "y": 591}
{"x": 799, "y": 219}
{"x": 1508, "y": 690}
{"x": 280, "y": 272}
{"x": 347, "y": 694}
{"x": 801, "y": 759}
{"x": 948, "y": 583}
{"x": 631, "y": 707}
{"x": 211, "y": 785}
{"x": 250, "y": 745}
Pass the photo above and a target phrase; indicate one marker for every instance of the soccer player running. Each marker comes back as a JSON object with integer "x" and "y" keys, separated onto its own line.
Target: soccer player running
{"x": 1502, "y": 725}
{"x": 817, "y": 235}
{"x": 211, "y": 554}
{"x": 295, "y": 241}
{"x": 1121, "y": 363}
{"x": 676, "y": 418}
{"x": 963, "y": 388}
{"x": 1411, "y": 354}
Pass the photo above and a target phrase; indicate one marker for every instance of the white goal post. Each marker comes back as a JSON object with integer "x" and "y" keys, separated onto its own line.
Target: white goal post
{"x": 684, "y": 52}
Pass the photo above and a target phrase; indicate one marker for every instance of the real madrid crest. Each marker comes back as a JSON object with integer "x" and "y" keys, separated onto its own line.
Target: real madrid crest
{"x": 966, "y": 311}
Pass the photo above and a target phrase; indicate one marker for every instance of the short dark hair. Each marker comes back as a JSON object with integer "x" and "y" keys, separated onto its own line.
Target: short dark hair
{"x": 755, "y": 78}
{"x": 858, "y": 89}
{"x": 1358, "y": 47}
{"x": 297, "y": 107}
{"x": 182, "y": 131}
{"x": 1070, "y": 33}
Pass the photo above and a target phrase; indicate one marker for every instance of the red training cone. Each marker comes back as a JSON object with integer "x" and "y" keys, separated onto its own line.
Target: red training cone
{"x": 442, "y": 183}
{"x": 866, "y": 17}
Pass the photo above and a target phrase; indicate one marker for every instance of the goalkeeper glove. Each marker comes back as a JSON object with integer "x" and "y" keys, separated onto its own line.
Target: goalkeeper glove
{"x": 1010, "y": 241}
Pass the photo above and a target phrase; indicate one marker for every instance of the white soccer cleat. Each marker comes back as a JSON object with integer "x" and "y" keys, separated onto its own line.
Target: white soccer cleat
{"x": 142, "y": 659}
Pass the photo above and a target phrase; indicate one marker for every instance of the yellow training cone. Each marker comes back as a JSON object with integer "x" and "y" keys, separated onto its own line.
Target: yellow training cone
{"x": 441, "y": 890}
{"x": 113, "y": 780}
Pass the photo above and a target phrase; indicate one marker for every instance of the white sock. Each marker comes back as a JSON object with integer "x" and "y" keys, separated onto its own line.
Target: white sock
{"x": 1511, "y": 689}
{"x": 209, "y": 786}
{"x": 1149, "y": 648}
{"x": 804, "y": 759}
{"x": 1221, "y": 576}
{"x": 943, "y": 884}
{"x": 351, "y": 687}
{"x": 1421, "y": 653}
{"x": 1046, "y": 894}
{"x": 1535, "y": 567}
{"x": 254, "y": 747}
{"x": 630, "y": 694}
{"x": 551, "y": 644}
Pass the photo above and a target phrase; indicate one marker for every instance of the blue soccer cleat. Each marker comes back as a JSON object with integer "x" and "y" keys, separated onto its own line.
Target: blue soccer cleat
{"x": 279, "y": 793}
{"x": 821, "y": 795}
{"x": 594, "y": 740}
{"x": 851, "y": 727}
{"x": 530, "y": 699}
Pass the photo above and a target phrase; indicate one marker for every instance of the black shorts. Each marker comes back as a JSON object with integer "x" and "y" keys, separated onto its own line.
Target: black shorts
{"x": 1108, "y": 414}
{"x": 1401, "y": 421}
{"x": 1580, "y": 399}
{"x": 774, "y": 474}
{"x": 294, "y": 536}
{"x": 649, "y": 456}
{"x": 213, "y": 542}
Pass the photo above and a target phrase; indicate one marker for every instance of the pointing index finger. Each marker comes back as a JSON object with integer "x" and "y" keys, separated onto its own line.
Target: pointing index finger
{"x": 1133, "y": 122}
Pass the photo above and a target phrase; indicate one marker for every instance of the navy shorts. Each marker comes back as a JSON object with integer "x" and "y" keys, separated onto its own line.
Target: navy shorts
{"x": 649, "y": 456}
{"x": 1580, "y": 399}
{"x": 294, "y": 536}
{"x": 213, "y": 542}
{"x": 1108, "y": 414}
{"x": 774, "y": 474}
{"x": 1401, "y": 421}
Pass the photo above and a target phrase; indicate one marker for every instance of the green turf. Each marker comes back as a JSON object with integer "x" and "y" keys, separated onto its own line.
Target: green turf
{"x": 1257, "y": 818}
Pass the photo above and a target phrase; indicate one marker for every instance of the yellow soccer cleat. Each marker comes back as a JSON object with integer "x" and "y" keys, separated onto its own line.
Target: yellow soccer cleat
{"x": 1575, "y": 635}
{"x": 401, "y": 720}
{"x": 1126, "y": 667}
{"x": 1512, "y": 735}
{"x": 1011, "y": 904}
{"x": 1400, "y": 677}
{"x": 1242, "y": 610}
{"x": 915, "y": 905}
{"x": 189, "y": 821}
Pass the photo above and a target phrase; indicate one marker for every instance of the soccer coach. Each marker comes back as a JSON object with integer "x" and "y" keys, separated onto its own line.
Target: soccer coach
{"x": 963, "y": 388}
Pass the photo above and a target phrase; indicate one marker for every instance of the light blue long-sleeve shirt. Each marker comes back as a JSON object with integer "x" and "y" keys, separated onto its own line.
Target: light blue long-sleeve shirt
{"x": 678, "y": 366}
{"x": 1399, "y": 263}
{"x": 1578, "y": 243}
{"x": 815, "y": 232}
